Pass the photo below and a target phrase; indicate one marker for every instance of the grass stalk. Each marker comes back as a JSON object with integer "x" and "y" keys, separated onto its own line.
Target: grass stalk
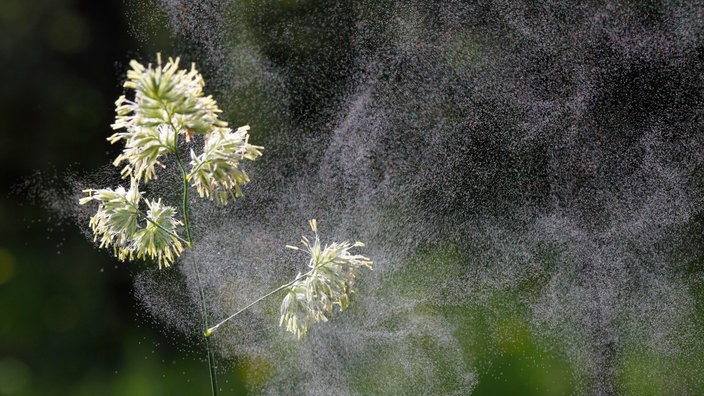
{"x": 201, "y": 293}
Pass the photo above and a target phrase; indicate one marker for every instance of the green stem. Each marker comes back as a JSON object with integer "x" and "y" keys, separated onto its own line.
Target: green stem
{"x": 186, "y": 220}
{"x": 210, "y": 331}
{"x": 204, "y": 312}
{"x": 201, "y": 294}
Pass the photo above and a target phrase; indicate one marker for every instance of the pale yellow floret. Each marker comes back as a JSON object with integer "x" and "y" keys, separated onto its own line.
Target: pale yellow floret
{"x": 216, "y": 173}
{"x": 328, "y": 284}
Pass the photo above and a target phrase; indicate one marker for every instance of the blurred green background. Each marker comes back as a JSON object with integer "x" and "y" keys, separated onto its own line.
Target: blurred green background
{"x": 69, "y": 324}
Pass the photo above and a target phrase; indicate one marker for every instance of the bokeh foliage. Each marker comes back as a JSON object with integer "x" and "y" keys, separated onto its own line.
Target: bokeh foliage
{"x": 68, "y": 321}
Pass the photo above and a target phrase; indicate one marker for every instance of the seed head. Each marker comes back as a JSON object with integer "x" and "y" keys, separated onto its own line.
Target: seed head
{"x": 117, "y": 219}
{"x": 158, "y": 239}
{"x": 216, "y": 172}
{"x": 328, "y": 283}
{"x": 117, "y": 224}
{"x": 167, "y": 102}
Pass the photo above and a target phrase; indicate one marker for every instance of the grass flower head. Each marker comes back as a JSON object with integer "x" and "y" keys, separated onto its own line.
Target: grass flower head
{"x": 117, "y": 219}
{"x": 312, "y": 298}
{"x": 158, "y": 239}
{"x": 216, "y": 173}
{"x": 166, "y": 95}
{"x": 168, "y": 102}
{"x": 117, "y": 224}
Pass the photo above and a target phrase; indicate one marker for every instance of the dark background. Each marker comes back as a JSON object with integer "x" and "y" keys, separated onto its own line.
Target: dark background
{"x": 69, "y": 324}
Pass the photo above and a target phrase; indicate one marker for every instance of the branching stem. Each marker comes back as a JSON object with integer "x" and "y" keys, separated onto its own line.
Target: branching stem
{"x": 210, "y": 331}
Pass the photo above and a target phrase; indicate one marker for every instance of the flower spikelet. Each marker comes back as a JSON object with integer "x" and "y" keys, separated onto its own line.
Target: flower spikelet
{"x": 143, "y": 148}
{"x": 167, "y": 102}
{"x": 216, "y": 172}
{"x": 167, "y": 95}
{"x": 328, "y": 283}
{"x": 117, "y": 225}
{"x": 116, "y": 221}
{"x": 158, "y": 239}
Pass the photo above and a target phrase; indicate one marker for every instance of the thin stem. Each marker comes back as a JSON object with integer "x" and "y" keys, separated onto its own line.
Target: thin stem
{"x": 201, "y": 293}
{"x": 204, "y": 314}
{"x": 186, "y": 221}
{"x": 210, "y": 331}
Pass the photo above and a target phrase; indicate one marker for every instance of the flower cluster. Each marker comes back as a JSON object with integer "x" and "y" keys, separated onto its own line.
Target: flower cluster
{"x": 168, "y": 103}
{"x": 143, "y": 148}
{"x": 158, "y": 239}
{"x": 117, "y": 225}
{"x": 216, "y": 172}
{"x": 167, "y": 95}
{"x": 313, "y": 296}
